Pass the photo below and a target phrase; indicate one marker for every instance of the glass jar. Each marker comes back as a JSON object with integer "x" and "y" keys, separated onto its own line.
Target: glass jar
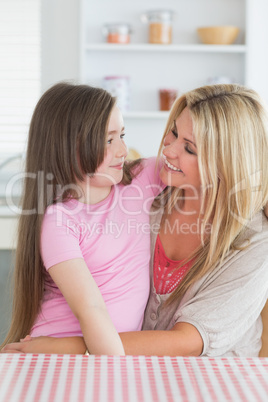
{"x": 160, "y": 25}
{"x": 167, "y": 98}
{"x": 117, "y": 33}
{"x": 119, "y": 86}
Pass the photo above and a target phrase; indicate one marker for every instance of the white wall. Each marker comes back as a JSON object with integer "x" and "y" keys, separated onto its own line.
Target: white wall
{"x": 20, "y": 50}
{"x": 60, "y": 41}
{"x": 257, "y": 53}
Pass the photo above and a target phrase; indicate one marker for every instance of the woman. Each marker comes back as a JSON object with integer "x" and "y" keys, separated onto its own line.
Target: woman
{"x": 209, "y": 265}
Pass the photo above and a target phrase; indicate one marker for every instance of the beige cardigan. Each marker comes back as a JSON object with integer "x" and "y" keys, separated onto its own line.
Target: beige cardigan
{"x": 225, "y": 305}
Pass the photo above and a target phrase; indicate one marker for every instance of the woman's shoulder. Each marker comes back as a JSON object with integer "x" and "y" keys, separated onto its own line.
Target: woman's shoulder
{"x": 249, "y": 254}
{"x": 256, "y": 230}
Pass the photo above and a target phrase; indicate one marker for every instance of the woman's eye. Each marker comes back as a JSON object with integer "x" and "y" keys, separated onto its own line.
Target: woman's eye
{"x": 174, "y": 133}
{"x": 109, "y": 141}
{"x": 189, "y": 150}
{"x": 122, "y": 135}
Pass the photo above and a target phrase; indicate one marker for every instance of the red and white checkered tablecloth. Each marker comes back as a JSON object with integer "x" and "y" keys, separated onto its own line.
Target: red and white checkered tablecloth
{"x": 65, "y": 378}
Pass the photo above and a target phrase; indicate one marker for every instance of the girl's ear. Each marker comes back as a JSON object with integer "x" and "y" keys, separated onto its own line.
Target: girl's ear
{"x": 266, "y": 210}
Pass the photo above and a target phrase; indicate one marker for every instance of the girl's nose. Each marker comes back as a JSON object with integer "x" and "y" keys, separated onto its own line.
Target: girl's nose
{"x": 122, "y": 150}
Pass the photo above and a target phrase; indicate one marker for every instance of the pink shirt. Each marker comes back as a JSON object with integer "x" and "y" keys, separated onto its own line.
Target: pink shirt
{"x": 113, "y": 237}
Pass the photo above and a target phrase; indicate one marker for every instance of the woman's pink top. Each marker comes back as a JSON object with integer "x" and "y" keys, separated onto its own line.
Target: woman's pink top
{"x": 167, "y": 275}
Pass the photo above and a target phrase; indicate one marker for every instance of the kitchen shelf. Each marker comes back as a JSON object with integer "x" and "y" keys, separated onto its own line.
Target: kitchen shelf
{"x": 183, "y": 65}
{"x": 144, "y": 47}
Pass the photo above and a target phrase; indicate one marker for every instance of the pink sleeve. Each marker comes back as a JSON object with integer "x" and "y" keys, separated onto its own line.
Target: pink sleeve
{"x": 150, "y": 175}
{"x": 59, "y": 237}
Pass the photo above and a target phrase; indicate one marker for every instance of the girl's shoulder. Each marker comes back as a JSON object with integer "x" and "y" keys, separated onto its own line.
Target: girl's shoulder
{"x": 149, "y": 170}
{"x": 148, "y": 179}
{"x": 149, "y": 163}
{"x": 61, "y": 212}
{"x": 64, "y": 207}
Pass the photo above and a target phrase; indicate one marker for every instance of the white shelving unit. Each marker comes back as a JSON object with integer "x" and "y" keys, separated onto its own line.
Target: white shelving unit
{"x": 184, "y": 64}
{"x": 144, "y": 47}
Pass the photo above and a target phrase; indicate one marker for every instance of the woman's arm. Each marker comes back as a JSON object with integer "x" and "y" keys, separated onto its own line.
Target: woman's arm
{"x": 47, "y": 345}
{"x": 85, "y": 300}
{"x": 182, "y": 340}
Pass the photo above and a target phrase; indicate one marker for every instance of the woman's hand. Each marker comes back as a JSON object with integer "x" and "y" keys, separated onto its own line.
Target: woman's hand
{"x": 47, "y": 345}
{"x": 30, "y": 345}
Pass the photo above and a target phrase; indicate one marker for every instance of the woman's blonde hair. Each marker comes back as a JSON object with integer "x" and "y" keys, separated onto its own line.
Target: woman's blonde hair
{"x": 230, "y": 126}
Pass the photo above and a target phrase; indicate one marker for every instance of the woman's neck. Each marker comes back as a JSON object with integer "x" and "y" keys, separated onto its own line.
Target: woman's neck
{"x": 191, "y": 203}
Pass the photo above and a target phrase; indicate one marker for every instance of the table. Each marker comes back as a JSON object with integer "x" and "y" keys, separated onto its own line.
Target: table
{"x": 40, "y": 377}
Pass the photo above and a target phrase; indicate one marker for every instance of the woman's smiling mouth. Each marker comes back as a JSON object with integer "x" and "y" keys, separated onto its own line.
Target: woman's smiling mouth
{"x": 171, "y": 167}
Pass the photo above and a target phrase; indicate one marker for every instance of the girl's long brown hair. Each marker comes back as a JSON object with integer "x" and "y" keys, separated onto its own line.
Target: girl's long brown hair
{"x": 69, "y": 120}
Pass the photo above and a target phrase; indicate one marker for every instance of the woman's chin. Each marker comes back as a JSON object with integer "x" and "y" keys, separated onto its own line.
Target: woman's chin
{"x": 169, "y": 178}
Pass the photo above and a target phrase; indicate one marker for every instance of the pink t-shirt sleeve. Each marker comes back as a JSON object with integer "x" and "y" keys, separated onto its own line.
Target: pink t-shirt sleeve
{"x": 150, "y": 175}
{"x": 59, "y": 237}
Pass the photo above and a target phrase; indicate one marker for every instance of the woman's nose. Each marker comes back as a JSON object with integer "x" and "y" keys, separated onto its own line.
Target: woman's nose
{"x": 169, "y": 138}
{"x": 170, "y": 149}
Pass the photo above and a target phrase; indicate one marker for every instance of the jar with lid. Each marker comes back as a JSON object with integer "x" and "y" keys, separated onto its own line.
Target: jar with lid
{"x": 117, "y": 33}
{"x": 160, "y": 25}
{"x": 119, "y": 86}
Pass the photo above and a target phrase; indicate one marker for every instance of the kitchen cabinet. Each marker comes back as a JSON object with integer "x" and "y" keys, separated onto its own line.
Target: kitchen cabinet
{"x": 184, "y": 64}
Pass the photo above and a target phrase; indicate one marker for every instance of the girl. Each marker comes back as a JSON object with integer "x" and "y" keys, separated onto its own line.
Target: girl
{"x": 83, "y": 245}
{"x": 209, "y": 241}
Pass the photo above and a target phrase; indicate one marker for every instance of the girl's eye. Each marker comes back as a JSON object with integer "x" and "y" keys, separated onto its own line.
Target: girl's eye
{"x": 122, "y": 135}
{"x": 189, "y": 150}
{"x": 174, "y": 133}
{"x": 109, "y": 141}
